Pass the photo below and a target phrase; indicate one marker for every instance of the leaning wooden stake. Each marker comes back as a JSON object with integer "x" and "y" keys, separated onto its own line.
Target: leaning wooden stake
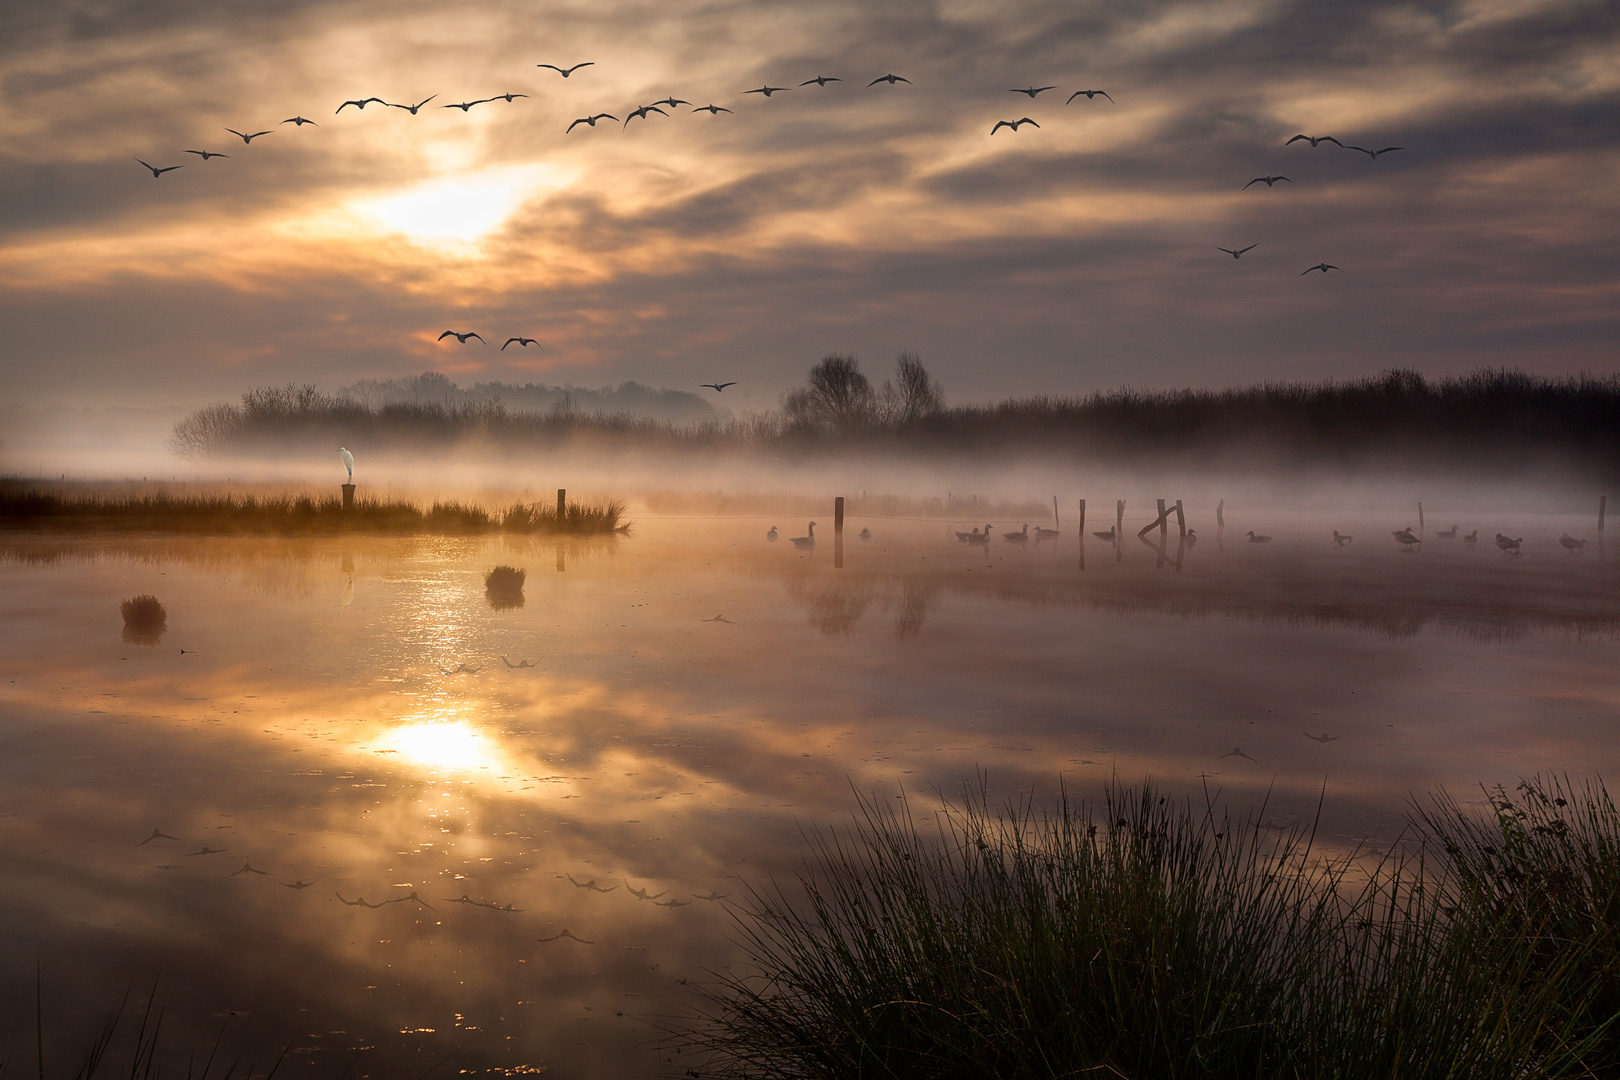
{"x": 1054, "y": 512}
{"x": 838, "y": 532}
{"x": 1181, "y": 521}
{"x": 1421, "y": 533}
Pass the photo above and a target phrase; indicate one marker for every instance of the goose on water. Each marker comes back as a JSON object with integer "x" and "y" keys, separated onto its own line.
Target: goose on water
{"x": 1571, "y": 544}
{"x": 1407, "y": 537}
{"x": 1508, "y": 544}
{"x": 804, "y": 543}
{"x": 771, "y": 536}
{"x": 1255, "y": 538}
{"x": 1192, "y": 537}
{"x": 1018, "y": 537}
{"x": 1109, "y": 535}
{"x": 1340, "y": 539}
{"x": 1045, "y": 534}
{"x": 975, "y": 536}
{"x": 865, "y": 534}
{"x": 1472, "y": 538}
{"x": 1447, "y": 534}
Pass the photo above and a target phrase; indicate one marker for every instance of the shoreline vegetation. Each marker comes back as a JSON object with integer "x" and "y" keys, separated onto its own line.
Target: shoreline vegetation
{"x": 1498, "y": 420}
{"x": 1150, "y": 937}
{"x": 27, "y": 507}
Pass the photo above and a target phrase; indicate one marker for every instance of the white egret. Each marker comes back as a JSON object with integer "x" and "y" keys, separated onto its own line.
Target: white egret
{"x": 348, "y": 461}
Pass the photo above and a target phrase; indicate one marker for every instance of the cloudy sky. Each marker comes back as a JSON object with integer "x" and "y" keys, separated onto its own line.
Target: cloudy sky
{"x": 867, "y": 219}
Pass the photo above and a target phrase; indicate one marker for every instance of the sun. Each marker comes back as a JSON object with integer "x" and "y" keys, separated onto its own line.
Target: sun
{"x": 459, "y": 209}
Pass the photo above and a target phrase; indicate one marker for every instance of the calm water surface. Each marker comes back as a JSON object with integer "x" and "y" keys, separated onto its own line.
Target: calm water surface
{"x": 654, "y": 727}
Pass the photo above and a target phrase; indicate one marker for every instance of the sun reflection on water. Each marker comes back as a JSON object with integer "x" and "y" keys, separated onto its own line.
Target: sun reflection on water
{"x": 444, "y": 745}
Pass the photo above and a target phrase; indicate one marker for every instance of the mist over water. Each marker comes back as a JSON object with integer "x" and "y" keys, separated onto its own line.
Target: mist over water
{"x": 668, "y": 711}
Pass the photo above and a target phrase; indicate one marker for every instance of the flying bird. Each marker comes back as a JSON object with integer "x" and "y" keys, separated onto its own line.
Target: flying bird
{"x": 347, "y": 459}
{"x": 712, "y": 110}
{"x": 1373, "y": 153}
{"x": 767, "y": 90}
{"x": 642, "y": 112}
{"x": 157, "y": 172}
{"x": 246, "y": 138}
{"x": 718, "y": 387}
{"x": 1032, "y": 91}
{"x": 565, "y": 72}
{"x": 591, "y": 120}
{"x": 591, "y": 884}
{"x": 249, "y": 868}
{"x": 1090, "y": 95}
{"x": 465, "y": 105}
{"x": 1322, "y": 266}
{"x": 1314, "y": 139}
{"x": 1238, "y": 254}
{"x": 712, "y": 896}
{"x": 1014, "y": 124}
{"x": 410, "y": 108}
{"x": 157, "y": 834}
{"x": 507, "y": 97}
{"x": 206, "y": 850}
{"x": 519, "y": 664}
{"x": 1323, "y": 738}
{"x": 1237, "y": 752}
{"x": 359, "y": 902}
{"x": 672, "y": 101}
{"x": 357, "y": 104}
{"x": 459, "y": 336}
{"x": 642, "y": 893}
{"x": 565, "y": 933}
{"x": 1266, "y": 180}
{"x": 821, "y": 80}
{"x": 206, "y": 154}
{"x": 891, "y": 79}
{"x": 523, "y": 341}
{"x": 297, "y": 886}
{"x": 300, "y": 121}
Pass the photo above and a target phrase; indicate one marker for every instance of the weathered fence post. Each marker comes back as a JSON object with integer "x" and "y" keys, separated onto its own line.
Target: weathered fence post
{"x": 562, "y": 505}
{"x": 838, "y": 533}
{"x": 348, "y": 496}
{"x": 1181, "y": 521}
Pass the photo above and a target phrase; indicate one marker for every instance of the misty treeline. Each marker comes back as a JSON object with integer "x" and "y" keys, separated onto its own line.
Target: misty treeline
{"x": 433, "y": 388}
{"x": 1494, "y": 420}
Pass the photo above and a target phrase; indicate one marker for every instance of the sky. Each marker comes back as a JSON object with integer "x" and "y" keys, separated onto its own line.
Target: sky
{"x": 685, "y": 248}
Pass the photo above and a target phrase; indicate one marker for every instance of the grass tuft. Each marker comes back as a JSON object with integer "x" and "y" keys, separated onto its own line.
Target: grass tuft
{"x": 1148, "y": 937}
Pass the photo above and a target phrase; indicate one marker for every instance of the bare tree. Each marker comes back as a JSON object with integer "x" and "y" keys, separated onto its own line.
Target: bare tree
{"x": 917, "y": 394}
{"x": 838, "y": 397}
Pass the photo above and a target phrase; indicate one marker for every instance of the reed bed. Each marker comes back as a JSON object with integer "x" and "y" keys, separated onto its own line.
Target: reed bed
{"x": 246, "y": 515}
{"x": 1149, "y": 938}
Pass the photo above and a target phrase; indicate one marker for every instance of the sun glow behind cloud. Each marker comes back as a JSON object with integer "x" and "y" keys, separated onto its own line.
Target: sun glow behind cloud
{"x": 460, "y": 210}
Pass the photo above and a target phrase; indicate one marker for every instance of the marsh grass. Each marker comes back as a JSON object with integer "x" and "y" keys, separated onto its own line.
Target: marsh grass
{"x": 503, "y": 587}
{"x": 1150, "y": 938}
{"x": 23, "y": 507}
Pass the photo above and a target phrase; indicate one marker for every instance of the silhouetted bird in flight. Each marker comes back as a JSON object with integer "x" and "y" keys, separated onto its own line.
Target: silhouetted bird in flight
{"x": 767, "y": 90}
{"x": 360, "y": 902}
{"x": 297, "y": 886}
{"x": 672, "y": 101}
{"x": 672, "y": 902}
{"x": 1238, "y": 254}
{"x": 205, "y": 850}
{"x": 565, "y": 72}
{"x": 249, "y": 868}
{"x": 525, "y": 342}
{"x": 507, "y": 97}
{"x": 712, "y": 110}
{"x": 569, "y": 936}
{"x": 299, "y": 120}
{"x": 409, "y": 898}
{"x": 642, "y": 893}
{"x": 459, "y": 336}
{"x": 591, "y": 884}
{"x": 1322, "y": 266}
{"x": 1090, "y": 95}
{"x": 1031, "y": 91}
{"x": 357, "y": 104}
{"x": 1314, "y": 139}
{"x": 1373, "y": 153}
{"x": 157, "y": 172}
{"x": 891, "y": 79}
{"x": 1014, "y": 124}
{"x": 206, "y": 154}
{"x": 717, "y": 387}
{"x": 1266, "y": 180}
{"x": 1236, "y": 752}
{"x": 521, "y": 664}
{"x": 641, "y": 113}
{"x": 157, "y": 834}
{"x": 712, "y": 896}
{"x": 1323, "y": 738}
{"x": 821, "y": 80}
{"x": 461, "y": 669}
{"x": 591, "y": 120}
{"x": 720, "y": 619}
{"x": 246, "y": 138}
{"x": 465, "y": 105}
{"x": 412, "y": 109}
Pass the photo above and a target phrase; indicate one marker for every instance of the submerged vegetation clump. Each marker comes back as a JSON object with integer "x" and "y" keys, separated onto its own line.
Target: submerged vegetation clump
{"x": 145, "y": 620}
{"x": 503, "y": 587}
{"x": 1495, "y": 419}
{"x": 27, "y": 507}
{"x": 1145, "y": 937}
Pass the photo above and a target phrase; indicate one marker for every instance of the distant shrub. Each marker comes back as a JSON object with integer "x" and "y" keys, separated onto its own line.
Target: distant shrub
{"x": 145, "y": 620}
{"x": 503, "y": 587}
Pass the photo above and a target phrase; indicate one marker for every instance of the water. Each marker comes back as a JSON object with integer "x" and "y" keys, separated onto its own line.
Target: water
{"x": 319, "y": 727}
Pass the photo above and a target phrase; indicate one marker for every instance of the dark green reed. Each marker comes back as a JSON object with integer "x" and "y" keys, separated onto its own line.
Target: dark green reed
{"x": 22, "y": 507}
{"x": 1146, "y": 937}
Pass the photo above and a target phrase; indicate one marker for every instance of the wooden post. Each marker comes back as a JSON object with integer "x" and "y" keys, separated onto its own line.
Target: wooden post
{"x": 838, "y": 533}
{"x": 1181, "y": 522}
{"x": 348, "y": 496}
{"x": 1082, "y": 525}
{"x": 1603, "y": 505}
{"x": 1119, "y": 518}
{"x": 562, "y": 508}
{"x": 1164, "y": 527}
{"x": 1420, "y": 523}
{"x": 1055, "y": 521}
{"x": 1220, "y": 516}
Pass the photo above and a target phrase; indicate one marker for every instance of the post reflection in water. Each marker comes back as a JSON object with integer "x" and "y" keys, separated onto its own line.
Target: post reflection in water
{"x": 542, "y": 807}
